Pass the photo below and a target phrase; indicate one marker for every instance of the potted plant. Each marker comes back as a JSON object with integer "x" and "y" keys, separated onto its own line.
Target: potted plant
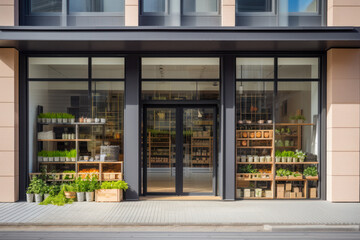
{"x": 296, "y": 175}
{"x": 290, "y": 155}
{"x": 68, "y": 156}
{"x": 62, "y": 156}
{"x": 30, "y": 193}
{"x": 40, "y": 156}
{"x": 91, "y": 185}
{"x": 46, "y": 191}
{"x": 300, "y": 155}
{"x": 51, "y": 156}
{"x": 54, "y": 190}
{"x": 111, "y": 191}
{"x": 71, "y": 118}
{"x": 283, "y": 156}
{"x": 311, "y": 173}
{"x": 300, "y": 118}
{"x": 45, "y": 156}
{"x": 256, "y": 158}
{"x": 292, "y": 119}
{"x": 56, "y": 156}
{"x": 80, "y": 188}
{"x": 278, "y": 156}
{"x": 69, "y": 191}
{"x": 37, "y": 187}
{"x": 41, "y": 118}
{"x": 268, "y": 158}
{"x": 243, "y": 158}
{"x": 73, "y": 154}
{"x": 52, "y": 117}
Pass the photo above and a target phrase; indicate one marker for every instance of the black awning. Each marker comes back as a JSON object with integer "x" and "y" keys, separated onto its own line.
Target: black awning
{"x": 140, "y": 39}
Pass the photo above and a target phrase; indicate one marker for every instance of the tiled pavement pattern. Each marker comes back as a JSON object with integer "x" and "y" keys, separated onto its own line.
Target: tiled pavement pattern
{"x": 182, "y": 213}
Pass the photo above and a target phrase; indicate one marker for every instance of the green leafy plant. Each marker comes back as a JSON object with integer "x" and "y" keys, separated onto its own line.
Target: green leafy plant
{"x": 69, "y": 176}
{"x": 300, "y": 117}
{"x": 300, "y": 154}
{"x": 296, "y": 174}
{"x": 41, "y": 115}
{"x": 114, "y": 185}
{"x": 93, "y": 184}
{"x": 310, "y": 171}
{"x": 54, "y": 189}
{"x": 36, "y": 186}
{"x": 293, "y": 118}
{"x": 68, "y": 187}
{"x": 59, "y": 199}
{"x": 283, "y": 172}
{"x": 278, "y": 153}
{"x": 80, "y": 185}
{"x": 248, "y": 169}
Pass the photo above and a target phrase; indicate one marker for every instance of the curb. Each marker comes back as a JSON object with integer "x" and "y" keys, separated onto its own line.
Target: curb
{"x": 312, "y": 228}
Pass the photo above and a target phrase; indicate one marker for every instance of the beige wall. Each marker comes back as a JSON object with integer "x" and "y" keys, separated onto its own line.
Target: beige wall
{"x": 131, "y": 13}
{"x": 9, "y": 150}
{"x": 7, "y": 13}
{"x": 228, "y": 13}
{"x": 343, "y": 125}
{"x": 343, "y": 13}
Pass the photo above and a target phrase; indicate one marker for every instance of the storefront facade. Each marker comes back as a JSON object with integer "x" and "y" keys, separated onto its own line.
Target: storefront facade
{"x": 227, "y": 112}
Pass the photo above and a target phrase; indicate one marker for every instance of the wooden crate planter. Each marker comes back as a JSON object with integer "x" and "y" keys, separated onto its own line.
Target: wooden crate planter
{"x": 311, "y": 178}
{"x": 253, "y": 176}
{"x": 108, "y": 195}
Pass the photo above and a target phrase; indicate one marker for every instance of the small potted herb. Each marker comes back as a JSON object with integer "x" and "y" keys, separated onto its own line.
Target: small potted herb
{"x": 68, "y": 156}
{"x": 62, "y": 156}
{"x": 73, "y": 154}
{"x": 40, "y": 156}
{"x": 53, "y": 117}
{"x": 37, "y": 187}
{"x": 41, "y": 118}
{"x": 71, "y": 118}
{"x": 30, "y": 193}
{"x": 80, "y": 188}
{"x": 293, "y": 119}
{"x": 283, "y": 156}
{"x": 45, "y": 156}
{"x": 282, "y": 174}
{"x": 290, "y": 155}
{"x": 300, "y": 118}
{"x": 268, "y": 158}
{"x": 51, "y": 156}
{"x": 278, "y": 156}
{"x": 91, "y": 184}
{"x": 300, "y": 155}
{"x": 46, "y": 191}
{"x": 56, "y": 156}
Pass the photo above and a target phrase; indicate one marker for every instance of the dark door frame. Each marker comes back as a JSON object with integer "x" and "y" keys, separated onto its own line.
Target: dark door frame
{"x": 179, "y": 146}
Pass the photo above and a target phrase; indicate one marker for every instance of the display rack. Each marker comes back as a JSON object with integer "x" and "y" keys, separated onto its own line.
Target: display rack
{"x": 78, "y": 165}
{"x": 159, "y": 150}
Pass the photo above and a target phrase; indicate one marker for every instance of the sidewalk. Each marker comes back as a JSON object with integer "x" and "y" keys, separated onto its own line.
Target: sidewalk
{"x": 182, "y": 213}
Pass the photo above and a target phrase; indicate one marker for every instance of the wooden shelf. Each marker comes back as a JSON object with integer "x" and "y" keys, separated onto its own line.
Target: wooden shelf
{"x": 260, "y": 163}
{"x": 254, "y": 139}
{"x": 257, "y": 198}
{"x": 57, "y": 162}
{"x": 202, "y": 137}
{"x": 290, "y": 179}
{"x": 256, "y": 180}
{"x": 259, "y": 147}
{"x": 294, "y": 124}
{"x": 295, "y": 163}
{"x": 65, "y": 140}
{"x": 97, "y": 162}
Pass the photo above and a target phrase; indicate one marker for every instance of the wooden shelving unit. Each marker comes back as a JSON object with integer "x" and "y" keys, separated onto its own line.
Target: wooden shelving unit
{"x": 78, "y": 165}
{"x": 159, "y": 150}
{"x": 201, "y": 151}
{"x": 244, "y": 143}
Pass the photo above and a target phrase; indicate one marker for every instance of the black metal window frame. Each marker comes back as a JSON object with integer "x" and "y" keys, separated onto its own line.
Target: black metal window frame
{"x": 199, "y": 14}
{"x": 320, "y": 7}
{"x": 66, "y": 11}
{"x": 321, "y": 80}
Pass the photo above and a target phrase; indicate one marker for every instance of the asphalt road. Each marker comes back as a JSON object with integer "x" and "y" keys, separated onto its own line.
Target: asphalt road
{"x": 37, "y": 235}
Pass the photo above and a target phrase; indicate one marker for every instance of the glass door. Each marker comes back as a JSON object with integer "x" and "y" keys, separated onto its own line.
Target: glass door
{"x": 198, "y": 150}
{"x": 161, "y": 147}
{"x": 180, "y": 150}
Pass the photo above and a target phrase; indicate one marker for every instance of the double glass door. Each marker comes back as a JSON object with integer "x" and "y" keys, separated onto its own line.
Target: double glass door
{"x": 179, "y": 150}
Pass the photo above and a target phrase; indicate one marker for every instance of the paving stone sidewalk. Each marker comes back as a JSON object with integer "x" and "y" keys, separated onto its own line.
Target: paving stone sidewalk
{"x": 157, "y": 213}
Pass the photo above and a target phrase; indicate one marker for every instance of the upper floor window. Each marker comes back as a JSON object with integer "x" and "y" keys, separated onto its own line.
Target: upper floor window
{"x": 254, "y": 6}
{"x": 269, "y": 13}
{"x": 305, "y": 6}
{"x": 154, "y": 6}
{"x": 96, "y": 5}
{"x": 45, "y": 6}
{"x": 200, "y": 6}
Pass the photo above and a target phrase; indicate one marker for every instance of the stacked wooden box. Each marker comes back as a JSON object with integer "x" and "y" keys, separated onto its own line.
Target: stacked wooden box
{"x": 287, "y": 191}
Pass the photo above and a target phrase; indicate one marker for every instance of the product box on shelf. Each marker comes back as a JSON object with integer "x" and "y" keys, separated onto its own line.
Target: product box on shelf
{"x": 268, "y": 193}
{"x": 288, "y": 187}
{"x": 247, "y": 192}
{"x": 299, "y": 195}
{"x": 287, "y": 194}
{"x": 313, "y": 192}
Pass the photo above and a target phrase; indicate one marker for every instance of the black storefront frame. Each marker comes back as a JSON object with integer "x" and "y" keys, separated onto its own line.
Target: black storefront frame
{"x": 225, "y": 57}
{"x": 179, "y": 108}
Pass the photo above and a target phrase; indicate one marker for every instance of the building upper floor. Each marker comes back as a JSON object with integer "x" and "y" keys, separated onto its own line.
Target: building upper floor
{"x": 176, "y": 13}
